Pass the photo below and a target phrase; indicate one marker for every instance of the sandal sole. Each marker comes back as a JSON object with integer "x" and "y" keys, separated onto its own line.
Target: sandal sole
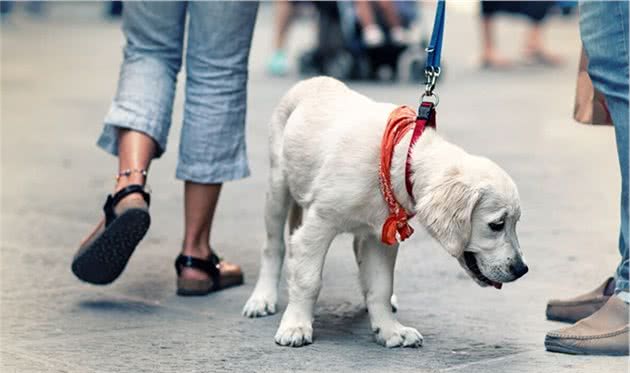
{"x": 106, "y": 257}
{"x": 191, "y": 292}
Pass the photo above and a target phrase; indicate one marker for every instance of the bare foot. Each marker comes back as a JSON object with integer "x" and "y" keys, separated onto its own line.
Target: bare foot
{"x": 543, "y": 57}
{"x": 492, "y": 60}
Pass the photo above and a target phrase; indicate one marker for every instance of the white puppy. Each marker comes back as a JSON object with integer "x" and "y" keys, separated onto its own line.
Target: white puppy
{"x": 325, "y": 154}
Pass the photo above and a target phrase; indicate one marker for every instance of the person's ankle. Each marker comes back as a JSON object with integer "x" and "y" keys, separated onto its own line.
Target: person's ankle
{"x": 196, "y": 250}
{"x": 129, "y": 181}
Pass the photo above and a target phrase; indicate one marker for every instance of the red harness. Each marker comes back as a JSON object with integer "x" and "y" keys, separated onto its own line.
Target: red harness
{"x": 400, "y": 121}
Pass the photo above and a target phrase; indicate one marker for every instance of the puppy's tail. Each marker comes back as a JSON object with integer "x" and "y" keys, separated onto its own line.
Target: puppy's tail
{"x": 281, "y": 115}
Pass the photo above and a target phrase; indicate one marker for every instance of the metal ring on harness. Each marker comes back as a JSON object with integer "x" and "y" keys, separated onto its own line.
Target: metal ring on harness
{"x": 435, "y": 100}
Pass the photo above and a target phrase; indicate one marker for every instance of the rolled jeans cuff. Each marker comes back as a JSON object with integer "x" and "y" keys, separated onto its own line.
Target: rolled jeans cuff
{"x": 124, "y": 116}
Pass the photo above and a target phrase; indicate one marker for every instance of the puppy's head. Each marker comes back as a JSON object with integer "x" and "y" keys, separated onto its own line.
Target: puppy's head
{"x": 472, "y": 211}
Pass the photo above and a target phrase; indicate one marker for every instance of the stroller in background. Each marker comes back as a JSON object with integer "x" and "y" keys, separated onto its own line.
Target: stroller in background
{"x": 340, "y": 51}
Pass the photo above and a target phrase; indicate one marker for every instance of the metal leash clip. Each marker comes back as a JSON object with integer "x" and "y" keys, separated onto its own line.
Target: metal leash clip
{"x": 431, "y": 73}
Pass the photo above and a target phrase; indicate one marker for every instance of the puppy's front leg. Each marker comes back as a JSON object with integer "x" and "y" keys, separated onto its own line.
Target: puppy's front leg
{"x": 376, "y": 269}
{"x": 305, "y": 261}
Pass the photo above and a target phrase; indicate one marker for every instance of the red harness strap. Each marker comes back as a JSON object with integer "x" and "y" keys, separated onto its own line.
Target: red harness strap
{"x": 425, "y": 118}
{"x": 400, "y": 121}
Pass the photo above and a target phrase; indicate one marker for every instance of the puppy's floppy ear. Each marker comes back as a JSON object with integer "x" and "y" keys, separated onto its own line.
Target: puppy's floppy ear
{"x": 446, "y": 211}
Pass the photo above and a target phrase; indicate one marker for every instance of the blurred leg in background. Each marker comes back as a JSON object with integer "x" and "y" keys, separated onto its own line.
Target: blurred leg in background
{"x": 535, "y": 49}
{"x": 490, "y": 57}
{"x": 373, "y": 36}
{"x": 283, "y": 15}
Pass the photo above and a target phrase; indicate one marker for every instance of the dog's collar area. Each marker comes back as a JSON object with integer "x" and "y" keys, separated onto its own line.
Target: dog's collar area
{"x": 400, "y": 121}
{"x": 425, "y": 118}
{"x": 471, "y": 262}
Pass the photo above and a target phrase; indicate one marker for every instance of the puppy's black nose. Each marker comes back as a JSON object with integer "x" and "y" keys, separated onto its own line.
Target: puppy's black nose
{"x": 519, "y": 269}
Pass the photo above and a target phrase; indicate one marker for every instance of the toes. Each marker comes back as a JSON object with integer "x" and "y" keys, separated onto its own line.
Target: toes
{"x": 295, "y": 336}
{"x": 394, "y": 341}
{"x": 412, "y": 338}
{"x": 259, "y": 308}
{"x": 400, "y": 337}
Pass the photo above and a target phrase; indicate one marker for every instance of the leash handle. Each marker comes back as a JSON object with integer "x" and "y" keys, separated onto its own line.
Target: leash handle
{"x": 434, "y": 49}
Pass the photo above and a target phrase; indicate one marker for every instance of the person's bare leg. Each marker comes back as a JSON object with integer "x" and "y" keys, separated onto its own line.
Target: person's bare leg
{"x": 535, "y": 48}
{"x": 283, "y": 14}
{"x": 200, "y": 202}
{"x": 390, "y": 12}
{"x": 364, "y": 12}
{"x": 490, "y": 57}
{"x": 135, "y": 151}
{"x": 371, "y": 32}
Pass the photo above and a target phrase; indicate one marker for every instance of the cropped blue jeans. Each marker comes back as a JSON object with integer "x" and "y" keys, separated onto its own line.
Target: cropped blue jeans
{"x": 604, "y": 31}
{"x": 212, "y": 147}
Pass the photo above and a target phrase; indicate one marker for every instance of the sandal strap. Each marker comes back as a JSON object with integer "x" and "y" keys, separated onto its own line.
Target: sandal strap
{"x": 113, "y": 200}
{"x": 210, "y": 266}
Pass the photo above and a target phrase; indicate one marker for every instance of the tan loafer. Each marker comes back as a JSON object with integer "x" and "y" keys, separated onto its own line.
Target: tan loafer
{"x": 575, "y": 309}
{"x": 603, "y": 333}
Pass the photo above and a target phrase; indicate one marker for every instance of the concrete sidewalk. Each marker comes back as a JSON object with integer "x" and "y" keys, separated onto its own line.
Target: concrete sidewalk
{"x": 58, "y": 76}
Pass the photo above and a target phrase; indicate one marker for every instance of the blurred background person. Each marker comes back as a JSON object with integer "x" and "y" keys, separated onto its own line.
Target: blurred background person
{"x": 535, "y": 50}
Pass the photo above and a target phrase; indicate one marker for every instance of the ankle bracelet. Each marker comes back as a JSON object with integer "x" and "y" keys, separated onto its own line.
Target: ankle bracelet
{"x": 129, "y": 171}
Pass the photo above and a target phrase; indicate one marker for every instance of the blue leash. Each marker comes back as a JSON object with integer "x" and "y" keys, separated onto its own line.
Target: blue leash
{"x": 429, "y": 99}
{"x": 434, "y": 50}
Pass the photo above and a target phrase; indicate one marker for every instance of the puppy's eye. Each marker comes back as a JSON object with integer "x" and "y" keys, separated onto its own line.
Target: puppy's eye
{"x": 497, "y": 226}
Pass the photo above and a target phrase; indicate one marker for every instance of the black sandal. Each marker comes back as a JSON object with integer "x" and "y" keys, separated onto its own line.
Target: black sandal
{"x": 103, "y": 255}
{"x": 217, "y": 279}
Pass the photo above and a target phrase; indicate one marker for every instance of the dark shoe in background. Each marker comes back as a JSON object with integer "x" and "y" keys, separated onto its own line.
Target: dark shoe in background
{"x": 115, "y": 9}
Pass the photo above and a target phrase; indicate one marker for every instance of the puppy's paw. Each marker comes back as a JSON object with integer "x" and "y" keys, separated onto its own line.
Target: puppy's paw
{"x": 398, "y": 336}
{"x": 260, "y": 304}
{"x": 294, "y": 335}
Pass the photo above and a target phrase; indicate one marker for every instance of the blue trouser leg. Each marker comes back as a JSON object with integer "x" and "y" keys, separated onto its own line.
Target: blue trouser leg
{"x": 212, "y": 147}
{"x": 604, "y": 31}
{"x": 154, "y": 33}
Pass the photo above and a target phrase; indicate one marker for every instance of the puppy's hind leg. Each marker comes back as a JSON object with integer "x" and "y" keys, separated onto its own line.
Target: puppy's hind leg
{"x": 376, "y": 270}
{"x": 263, "y": 300}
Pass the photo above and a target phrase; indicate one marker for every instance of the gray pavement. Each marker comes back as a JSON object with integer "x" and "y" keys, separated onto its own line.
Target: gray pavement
{"x": 58, "y": 77}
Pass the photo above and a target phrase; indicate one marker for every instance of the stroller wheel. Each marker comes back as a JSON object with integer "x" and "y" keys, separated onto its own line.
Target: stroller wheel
{"x": 339, "y": 66}
{"x": 307, "y": 64}
{"x": 411, "y": 65}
